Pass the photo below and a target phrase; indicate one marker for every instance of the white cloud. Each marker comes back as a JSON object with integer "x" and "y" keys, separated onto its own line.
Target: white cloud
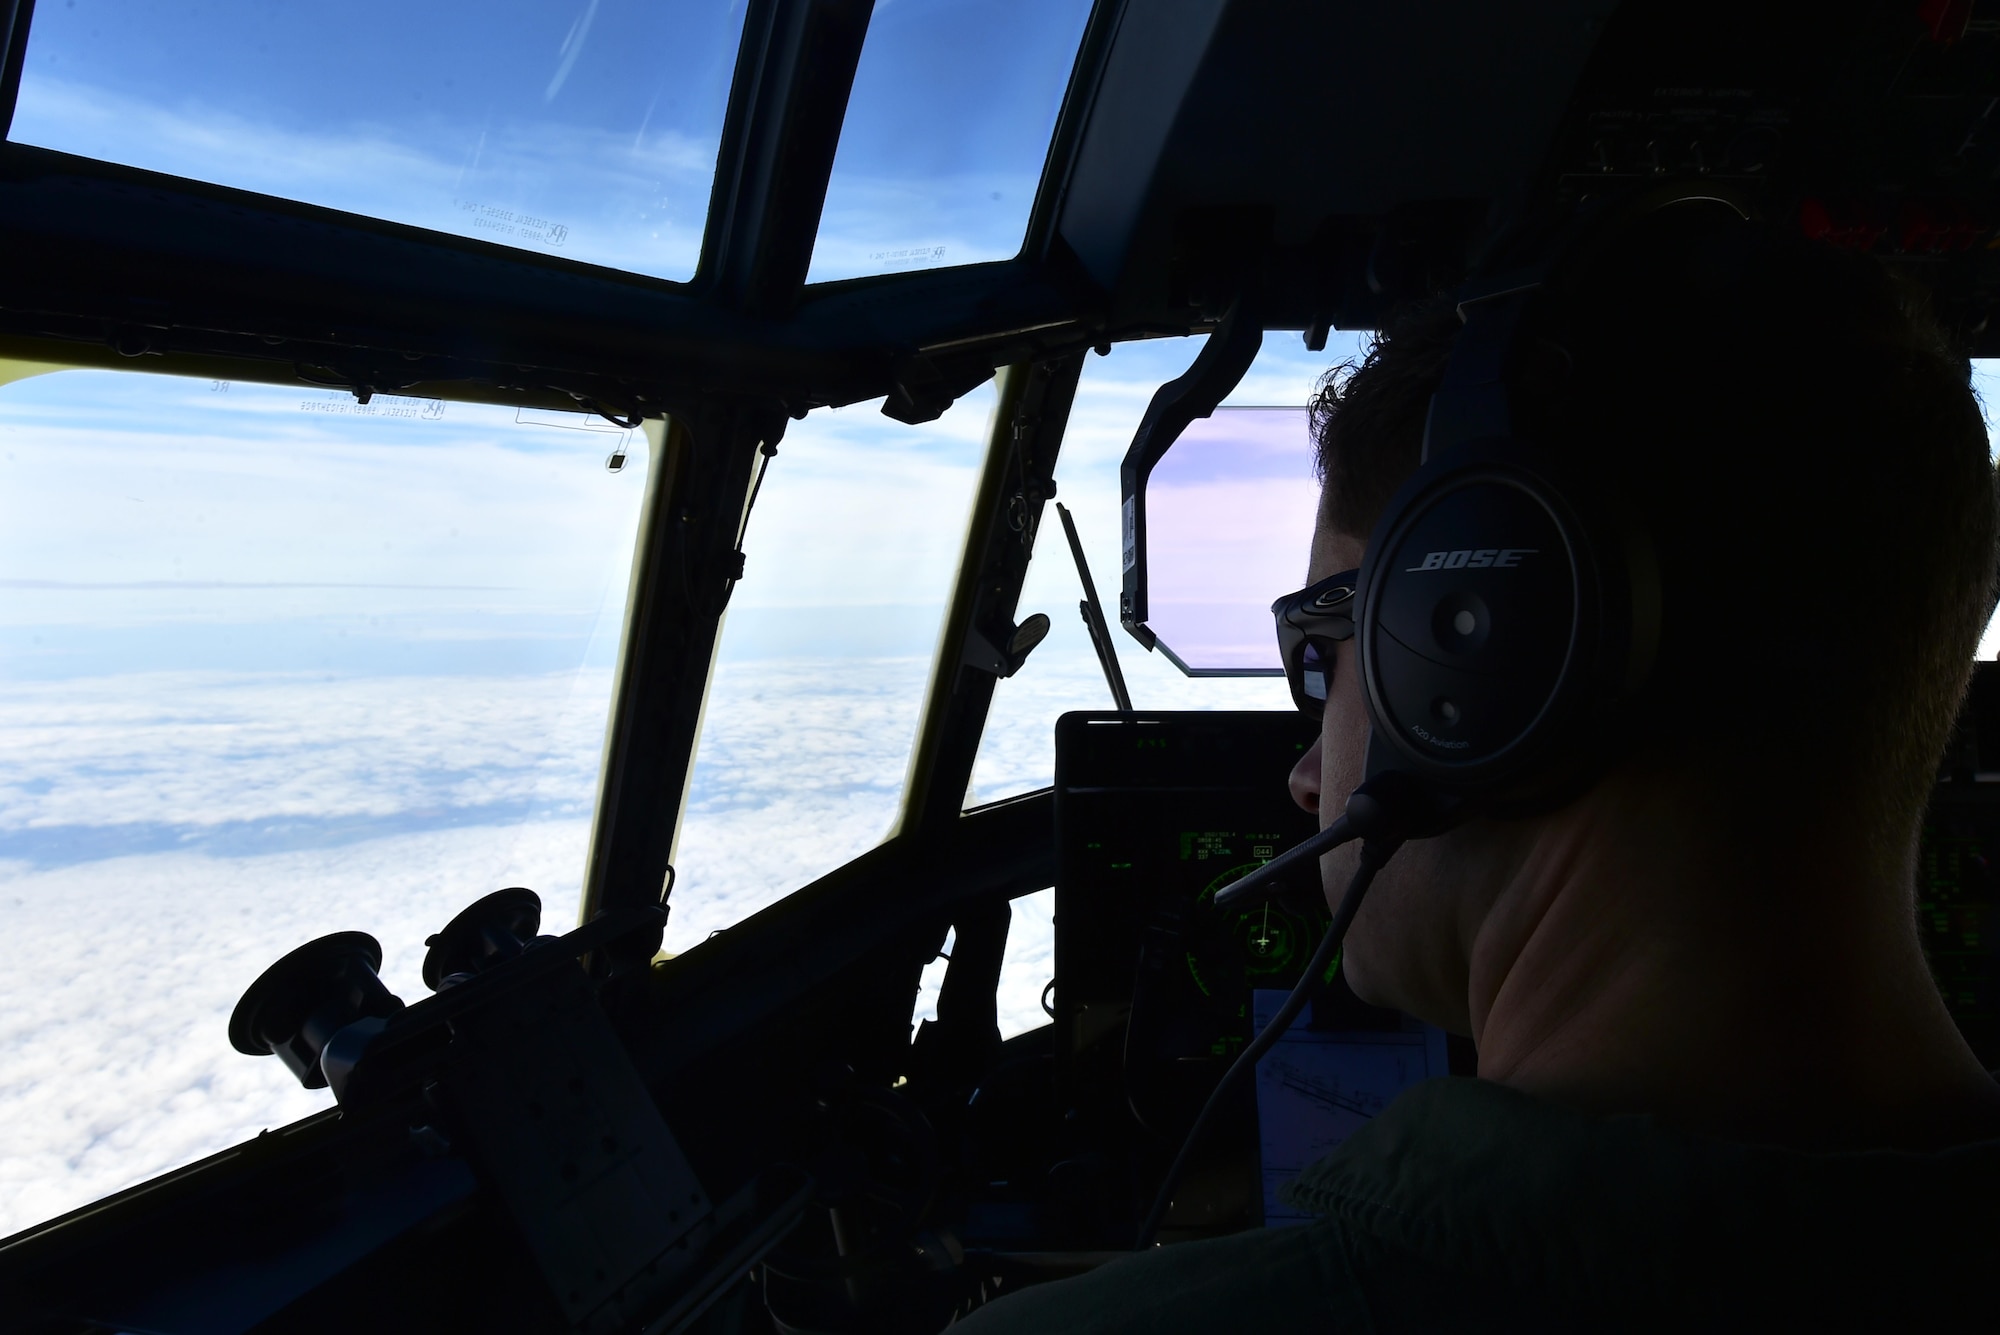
{"x": 800, "y": 769}
{"x": 191, "y": 753}
{"x": 115, "y": 1064}
{"x": 1025, "y": 968}
{"x": 1029, "y": 964}
{"x": 137, "y": 961}
{"x": 146, "y": 519}
{"x": 572, "y": 47}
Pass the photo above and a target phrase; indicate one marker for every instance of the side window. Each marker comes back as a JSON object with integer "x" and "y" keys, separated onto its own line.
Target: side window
{"x": 273, "y": 664}
{"x": 818, "y": 685}
{"x": 1986, "y": 383}
{"x": 1017, "y": 752}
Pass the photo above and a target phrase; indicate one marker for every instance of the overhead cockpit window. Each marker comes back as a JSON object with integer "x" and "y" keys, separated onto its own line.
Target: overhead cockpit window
{"x": 946, "y": 133}
{"x": 273, "y": 664}
{"x": 586, "y": 129}
{"x": 819, "y": 679}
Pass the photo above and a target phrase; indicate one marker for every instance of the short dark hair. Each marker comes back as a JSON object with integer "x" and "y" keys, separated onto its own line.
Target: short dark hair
{"x": 1804, "y": 446}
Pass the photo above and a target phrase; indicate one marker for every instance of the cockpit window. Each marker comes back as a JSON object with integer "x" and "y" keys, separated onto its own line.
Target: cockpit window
{"x": 1017, "y": 752}
{"x": 1986, "y": 383}
{"x": 946, "y": 132}
{"x": 1228, "y": 510}
{"x": 820, "y": 673}
{"x": 273, "y": 664}
{"x": 586, "y": 129}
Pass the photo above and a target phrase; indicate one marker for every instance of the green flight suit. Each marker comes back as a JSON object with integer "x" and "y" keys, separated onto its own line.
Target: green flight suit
{"x": 1468, "y": 1206}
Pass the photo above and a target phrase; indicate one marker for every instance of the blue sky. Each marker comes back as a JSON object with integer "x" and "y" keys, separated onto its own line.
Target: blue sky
{"x": 953, "y": 105}
{"x": 526, "y": 123}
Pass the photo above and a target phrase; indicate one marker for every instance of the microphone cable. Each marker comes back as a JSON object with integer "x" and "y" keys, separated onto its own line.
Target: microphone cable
{"x": 1375, "y": 852}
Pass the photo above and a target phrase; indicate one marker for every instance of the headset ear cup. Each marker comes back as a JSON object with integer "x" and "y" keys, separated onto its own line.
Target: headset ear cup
{"x": 1609, "y": 717}
{"x": 1500, "y": 626}
{"x": 1504, "y": 685}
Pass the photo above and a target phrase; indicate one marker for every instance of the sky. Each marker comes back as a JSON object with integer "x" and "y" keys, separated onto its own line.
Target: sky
{"x": 274, "y": 665}
{"x": 584, "y": 128}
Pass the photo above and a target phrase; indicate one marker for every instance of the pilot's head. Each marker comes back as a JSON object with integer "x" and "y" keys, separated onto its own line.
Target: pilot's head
{"x": 1809, "y": 458}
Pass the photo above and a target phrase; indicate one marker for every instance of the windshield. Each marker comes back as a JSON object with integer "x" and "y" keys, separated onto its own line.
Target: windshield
{"x": 587, "y": 129}
{"x": 1017, "y": 750}
{"x": 273, "y": 664}
{"x": 819, "y": 677}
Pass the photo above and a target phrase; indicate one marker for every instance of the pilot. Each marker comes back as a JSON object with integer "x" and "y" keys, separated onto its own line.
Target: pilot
{"x": 1717, "y": 1086}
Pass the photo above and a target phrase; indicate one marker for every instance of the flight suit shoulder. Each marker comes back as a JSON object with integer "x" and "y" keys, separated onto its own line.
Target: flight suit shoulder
{"x": 1292, "y": 1281}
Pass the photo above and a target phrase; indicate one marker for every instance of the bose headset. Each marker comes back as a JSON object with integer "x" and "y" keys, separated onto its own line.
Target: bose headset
{"x": 1507, "y": 608}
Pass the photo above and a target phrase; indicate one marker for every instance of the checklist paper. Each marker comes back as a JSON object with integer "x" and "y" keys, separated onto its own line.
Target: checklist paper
{"x": 1315, "y": 1088}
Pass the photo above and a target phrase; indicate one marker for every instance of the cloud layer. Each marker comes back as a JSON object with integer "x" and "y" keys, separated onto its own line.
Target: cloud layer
{"x": 166, "y": 833}
{"x": 114, "y": 1062}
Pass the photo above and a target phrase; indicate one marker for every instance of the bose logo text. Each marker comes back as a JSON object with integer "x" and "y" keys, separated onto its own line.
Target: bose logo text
{"x": 1500, "y": 558}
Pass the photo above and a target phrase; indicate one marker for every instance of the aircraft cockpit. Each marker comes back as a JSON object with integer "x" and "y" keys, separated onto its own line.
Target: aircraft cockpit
{"x": 636, "y": 639}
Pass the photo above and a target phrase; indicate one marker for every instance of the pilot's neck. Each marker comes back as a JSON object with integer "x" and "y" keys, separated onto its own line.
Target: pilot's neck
{"x": 1656, "y": 952}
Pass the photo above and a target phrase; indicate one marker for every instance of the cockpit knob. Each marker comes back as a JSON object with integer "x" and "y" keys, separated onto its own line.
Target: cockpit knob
{"x": 487, "y": 932}
{"x": 298, "y": 1004}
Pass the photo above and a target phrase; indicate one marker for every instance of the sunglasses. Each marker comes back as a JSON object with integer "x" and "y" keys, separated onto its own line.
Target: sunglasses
{"x": 1310, "y": 623}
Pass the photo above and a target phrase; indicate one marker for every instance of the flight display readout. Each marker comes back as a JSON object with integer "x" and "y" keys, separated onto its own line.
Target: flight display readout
{"x": 1154, "y": 814}
{"x": 1262, "y": 946}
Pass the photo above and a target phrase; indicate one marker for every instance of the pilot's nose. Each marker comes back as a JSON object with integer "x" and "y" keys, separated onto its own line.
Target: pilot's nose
{"x": 1304, "y": 781}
